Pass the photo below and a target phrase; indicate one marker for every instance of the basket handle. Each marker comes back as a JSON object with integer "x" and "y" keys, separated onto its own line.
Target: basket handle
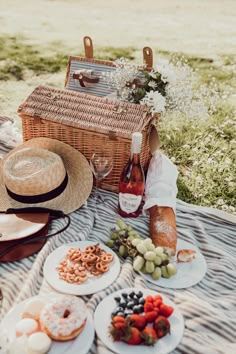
{"x": 81, "y": 75}
{"x": 88, "y": 47}
{"x": 148, "y": 58}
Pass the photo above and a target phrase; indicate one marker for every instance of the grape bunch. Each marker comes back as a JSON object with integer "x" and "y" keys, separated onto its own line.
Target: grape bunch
{"x": 147, "y": 258}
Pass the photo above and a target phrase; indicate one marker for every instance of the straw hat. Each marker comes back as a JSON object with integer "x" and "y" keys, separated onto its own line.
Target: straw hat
{"x": 46, "y": 173}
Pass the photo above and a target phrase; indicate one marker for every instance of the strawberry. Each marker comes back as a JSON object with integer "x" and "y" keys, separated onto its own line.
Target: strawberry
{"x": 137, "y": 321}
{"x": 148, "y": 306}
{"x": 158, "y": 297}
{"x": 151, "y": 316}
{"x": 166, "y": 310}
{"x": 118, "y": 327}
{"x": 118, "y": 319}
{"x": 161, "y": 326}
{"x": 149, "y": 298}
{"x": 132, "y": 336}
{"x": 149, "y": 336}
{"x": 157, "y": 303}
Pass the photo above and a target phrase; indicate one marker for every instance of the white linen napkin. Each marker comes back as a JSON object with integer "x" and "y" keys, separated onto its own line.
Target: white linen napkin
{"x": 161, "y": 180}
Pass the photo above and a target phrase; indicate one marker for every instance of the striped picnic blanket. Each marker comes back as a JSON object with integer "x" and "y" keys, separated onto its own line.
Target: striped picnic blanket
{"x": 209, "y": 308}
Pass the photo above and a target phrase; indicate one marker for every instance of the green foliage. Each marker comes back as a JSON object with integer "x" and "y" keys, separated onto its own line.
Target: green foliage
{"x": 111, "y": 53}
{"x": 17, "y": 57}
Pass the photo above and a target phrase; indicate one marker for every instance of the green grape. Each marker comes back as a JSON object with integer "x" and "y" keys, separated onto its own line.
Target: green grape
{"x": 171, "y": 269}
{"x": 129, "y": 228}
{"x": 135, "y": 241}
{"x": 159, "y": 250}
{"x": 122, "y": 225}
{"x": 157, "y": 260}
{"x": 133, "y": 233}
{"x": 147, "y": 241}
{"x": 123, "y": 252}
{"x": 164, "y": 272}
{"x": 151, "y": 247}
{"x": 114, "y": 235}
{"x": 141, "y": 247}
{"x": 149, "y": 266}
{"x": 121, "y": 232}
{"x": 138, "y": 263}
{"x": 150, "y": 256}
{"x": 143, "y": 269}
{"x": 164, "y": 258}
{"x": 110, "y": 243}
{"x": 131, "y": 238}
{"x": 156, "y": 274}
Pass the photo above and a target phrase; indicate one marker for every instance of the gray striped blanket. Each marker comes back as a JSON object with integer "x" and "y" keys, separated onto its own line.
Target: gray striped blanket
{"x": 209, "y": 308}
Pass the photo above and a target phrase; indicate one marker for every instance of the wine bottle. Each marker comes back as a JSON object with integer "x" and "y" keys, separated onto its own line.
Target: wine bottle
{"x": 132, "y": 181}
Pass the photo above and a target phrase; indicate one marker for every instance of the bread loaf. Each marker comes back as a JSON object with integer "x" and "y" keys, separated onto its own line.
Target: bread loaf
{"x": 163, "y": 228}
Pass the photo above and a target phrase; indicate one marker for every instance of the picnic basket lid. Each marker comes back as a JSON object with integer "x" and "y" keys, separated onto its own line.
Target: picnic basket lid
{"x": 89, "y": 112}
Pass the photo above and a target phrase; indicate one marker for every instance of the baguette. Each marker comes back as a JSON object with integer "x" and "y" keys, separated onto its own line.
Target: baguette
{"x": 163, "y": 228}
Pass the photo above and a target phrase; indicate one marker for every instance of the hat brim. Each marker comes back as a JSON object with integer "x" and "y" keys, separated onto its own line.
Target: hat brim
{"x": 80, "y": 179}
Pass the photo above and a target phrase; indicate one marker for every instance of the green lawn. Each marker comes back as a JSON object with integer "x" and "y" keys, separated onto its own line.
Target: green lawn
{"x": 203, "y": 150}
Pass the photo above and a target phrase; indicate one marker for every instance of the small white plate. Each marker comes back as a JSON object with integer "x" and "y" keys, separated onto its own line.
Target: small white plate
{"x": 80, "y": 344}
{"x": 188, "y": 274}
{"x": 102, "y": 320}
{"x": 92, "y": 285}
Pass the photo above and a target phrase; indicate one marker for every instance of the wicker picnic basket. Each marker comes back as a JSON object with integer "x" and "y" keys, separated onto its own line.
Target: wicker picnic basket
{"x": 87, "y": 121}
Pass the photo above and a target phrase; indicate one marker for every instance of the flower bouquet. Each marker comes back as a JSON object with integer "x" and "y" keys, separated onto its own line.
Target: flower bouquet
{"x": 170, "y": 87}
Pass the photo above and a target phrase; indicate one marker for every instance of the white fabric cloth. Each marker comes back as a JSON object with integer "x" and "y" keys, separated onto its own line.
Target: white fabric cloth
{"x": 161, "y": 188}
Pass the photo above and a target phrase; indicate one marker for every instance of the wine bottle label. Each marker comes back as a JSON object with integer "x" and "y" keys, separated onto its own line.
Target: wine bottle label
{"x": 129, "y": 203}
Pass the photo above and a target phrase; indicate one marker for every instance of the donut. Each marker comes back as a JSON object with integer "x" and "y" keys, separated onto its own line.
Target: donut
{"x": 39, "y": 343}
{"x": 26, "y": 326}
{"x": 63, "y": 318}
{"x": 33, "y": 308}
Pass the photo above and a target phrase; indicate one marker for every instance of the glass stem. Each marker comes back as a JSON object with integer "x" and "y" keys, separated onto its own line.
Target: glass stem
{"x": 97, "y": 184}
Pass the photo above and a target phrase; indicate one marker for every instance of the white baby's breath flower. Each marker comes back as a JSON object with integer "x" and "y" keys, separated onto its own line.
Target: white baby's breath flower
{"x": 155, "y": 100}
{"x": 152, "y": 84}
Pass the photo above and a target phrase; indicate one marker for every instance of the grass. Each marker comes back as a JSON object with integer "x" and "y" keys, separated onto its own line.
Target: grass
{"x": 204, "y": 151}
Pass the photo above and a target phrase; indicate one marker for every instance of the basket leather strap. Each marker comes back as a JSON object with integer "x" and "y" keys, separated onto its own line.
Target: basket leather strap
{"x": 148, "y": 58}
{"x": 88, "y": 47}
{"x": 83, "y": 78}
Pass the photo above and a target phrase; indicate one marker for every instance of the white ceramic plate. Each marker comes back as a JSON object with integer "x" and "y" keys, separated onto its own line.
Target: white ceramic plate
{"x": 92, "y": 285}
{"x": 188, "y": 274}
{"x": 80, "y": 344}
{"x": 102, "y": 320}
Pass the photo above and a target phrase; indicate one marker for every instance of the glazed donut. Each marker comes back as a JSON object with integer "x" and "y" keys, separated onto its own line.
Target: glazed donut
{"x": 64, "y": 317}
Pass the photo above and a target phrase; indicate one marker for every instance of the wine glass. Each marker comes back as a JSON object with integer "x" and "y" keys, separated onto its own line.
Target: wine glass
{"x": 101, "y": 164}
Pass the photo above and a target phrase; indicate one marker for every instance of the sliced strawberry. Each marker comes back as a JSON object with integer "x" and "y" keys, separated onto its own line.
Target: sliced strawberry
{"x": 151, "y": 316}
{"x": 149, "y": 298}
{"x": 166, "y": 310}
{"x": 148, "y": 306}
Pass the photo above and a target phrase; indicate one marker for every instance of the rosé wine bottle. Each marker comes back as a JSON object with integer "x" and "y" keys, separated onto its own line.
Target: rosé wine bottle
{"x": 132, "y": 182}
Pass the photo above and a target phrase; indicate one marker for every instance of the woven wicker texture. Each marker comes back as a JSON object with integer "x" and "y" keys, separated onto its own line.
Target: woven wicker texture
{"x": 87, "y": 123}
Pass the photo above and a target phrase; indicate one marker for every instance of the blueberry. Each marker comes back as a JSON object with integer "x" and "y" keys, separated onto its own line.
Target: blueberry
{"x": 136, "y": 309}
{"x": 139, "y": 294}
{"x": 141, "y": 301}
{"x": 117, "y": 298}
{"x": 135, "y": 301}
{"x": 118, "y": 309}
{"x": 123, "y": 304}
{"x": 131, "y": 294}
{"x": 140, "y": 308}
{"x": 130, "y": 305}
{"x": 120, "y": 314}
{"x": 128, "y": 312}
{"x": 125, "y": 295}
